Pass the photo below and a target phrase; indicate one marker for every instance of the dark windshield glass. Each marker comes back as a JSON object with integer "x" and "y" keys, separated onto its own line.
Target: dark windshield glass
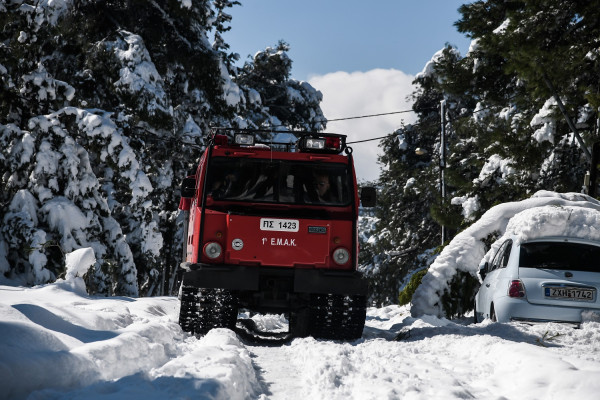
{"x": 278, "y": 181}
{"x": 560, "y": 255}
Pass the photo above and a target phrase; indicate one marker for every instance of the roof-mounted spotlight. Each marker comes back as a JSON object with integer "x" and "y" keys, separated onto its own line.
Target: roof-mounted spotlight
{"x": 322, "y": 143}
{"x": 243, "y": 139}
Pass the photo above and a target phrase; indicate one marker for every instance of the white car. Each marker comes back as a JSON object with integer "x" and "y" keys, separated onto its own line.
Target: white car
{"x": 545, "y": 279}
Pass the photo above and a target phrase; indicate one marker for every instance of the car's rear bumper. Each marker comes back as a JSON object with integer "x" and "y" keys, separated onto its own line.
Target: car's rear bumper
{"x": 515, "y": 309}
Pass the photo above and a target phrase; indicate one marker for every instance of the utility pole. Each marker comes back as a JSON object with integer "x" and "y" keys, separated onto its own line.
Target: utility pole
{"x": 594, "y": 171}
{"x": 443, "y": 162}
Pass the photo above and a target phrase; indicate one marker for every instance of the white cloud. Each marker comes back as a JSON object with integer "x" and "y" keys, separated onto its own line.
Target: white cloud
{"x": 365, "y": 93}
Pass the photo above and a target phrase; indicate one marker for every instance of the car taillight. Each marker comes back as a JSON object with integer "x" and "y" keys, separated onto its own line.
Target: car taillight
{"x": 341, "y": 256}
{"x": 212, "y": 250}
{"x": 516, "y": 289}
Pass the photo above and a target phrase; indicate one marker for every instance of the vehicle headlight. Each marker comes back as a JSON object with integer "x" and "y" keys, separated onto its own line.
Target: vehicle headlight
{"x": 212, "y": 250}
{"x": 341, "y": 256}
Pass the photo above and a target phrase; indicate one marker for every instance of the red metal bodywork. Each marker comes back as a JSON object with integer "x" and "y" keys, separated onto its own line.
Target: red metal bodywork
{"x": 251, "y": 251}
{"x": 303, "y": 249}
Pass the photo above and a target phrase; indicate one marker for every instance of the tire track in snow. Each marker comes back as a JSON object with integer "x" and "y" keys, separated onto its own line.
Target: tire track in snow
{"x": 279, "y": 375}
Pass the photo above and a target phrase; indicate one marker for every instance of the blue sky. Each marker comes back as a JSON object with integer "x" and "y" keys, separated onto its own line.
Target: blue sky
{"x": 362, "y": 55}
{"x": 347, "y": 35}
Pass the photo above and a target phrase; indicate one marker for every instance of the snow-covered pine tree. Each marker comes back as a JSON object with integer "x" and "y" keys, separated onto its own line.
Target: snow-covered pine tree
{"x": 506, "y": 135}
{"x": 519, "y": 48}
{"x": 285, "y": 102}
{"x": 106, "y": 94}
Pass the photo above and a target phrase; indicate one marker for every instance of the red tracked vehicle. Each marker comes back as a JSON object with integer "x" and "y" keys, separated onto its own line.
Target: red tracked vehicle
{"x": 272, "y": 228}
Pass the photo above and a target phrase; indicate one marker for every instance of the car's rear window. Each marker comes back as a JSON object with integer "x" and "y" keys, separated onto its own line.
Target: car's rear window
{"x": 560, "y": 255}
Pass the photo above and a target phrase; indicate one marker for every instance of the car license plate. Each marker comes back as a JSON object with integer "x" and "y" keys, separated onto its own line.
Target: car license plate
{"x": 569, "y": 293}
{"x": 279, "y": 225}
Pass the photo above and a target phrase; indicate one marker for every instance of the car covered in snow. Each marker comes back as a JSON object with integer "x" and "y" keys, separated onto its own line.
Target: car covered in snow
{"x": 546, "y": 267}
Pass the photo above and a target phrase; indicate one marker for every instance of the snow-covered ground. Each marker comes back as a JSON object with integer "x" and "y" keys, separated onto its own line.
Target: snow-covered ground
{"x": 56, "y": 342}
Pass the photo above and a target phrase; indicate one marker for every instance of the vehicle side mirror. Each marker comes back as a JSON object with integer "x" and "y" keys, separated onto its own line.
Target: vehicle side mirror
{"x": 483, "y": 270}
{"x": 368, "y": 196}
{"x": 188, "y": 188}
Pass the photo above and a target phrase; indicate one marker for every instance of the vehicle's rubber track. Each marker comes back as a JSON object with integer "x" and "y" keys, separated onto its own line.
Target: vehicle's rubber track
{"x": 331, "y": 316}
{"x": 188, "y": 311}
{"x": 337, "y": 317}
{"x": 203, "y": 309}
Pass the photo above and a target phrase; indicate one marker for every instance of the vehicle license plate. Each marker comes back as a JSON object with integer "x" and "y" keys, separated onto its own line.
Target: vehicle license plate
{"x": 569, "y": 293}
{"x": 280, "y": 225}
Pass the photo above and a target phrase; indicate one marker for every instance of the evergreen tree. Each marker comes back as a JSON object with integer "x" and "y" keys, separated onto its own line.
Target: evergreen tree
{"x": 96, "y": 99}
{"x": 410, "y": 206}
{"x": 293, "y": 104}
{"x": 506, "y": 136}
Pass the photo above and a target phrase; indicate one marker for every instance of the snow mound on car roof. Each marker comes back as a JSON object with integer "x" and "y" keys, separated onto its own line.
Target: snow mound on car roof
{"x": 578, "y": 222}
{"x": 466, "y": 250}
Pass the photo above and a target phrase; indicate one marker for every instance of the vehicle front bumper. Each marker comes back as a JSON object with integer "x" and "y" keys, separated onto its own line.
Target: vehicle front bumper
{"x": 249, "y": 278}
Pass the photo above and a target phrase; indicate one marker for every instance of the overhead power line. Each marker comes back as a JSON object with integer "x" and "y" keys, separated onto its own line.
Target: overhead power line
{"x": 370, "y": 115}
{"x": 370, "y": 140}
{"x": 466, "y": 115}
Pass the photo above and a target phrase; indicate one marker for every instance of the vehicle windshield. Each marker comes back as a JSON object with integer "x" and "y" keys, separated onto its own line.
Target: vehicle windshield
{"x": 560, "y": 255}
{"x": 279, "y": 181}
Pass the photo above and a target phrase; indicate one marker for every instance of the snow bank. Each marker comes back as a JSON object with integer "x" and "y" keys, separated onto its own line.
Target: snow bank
{"x": 571, "y": 214}
{"x": 57, "y": 343}
{"x": 219, "y": 359}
